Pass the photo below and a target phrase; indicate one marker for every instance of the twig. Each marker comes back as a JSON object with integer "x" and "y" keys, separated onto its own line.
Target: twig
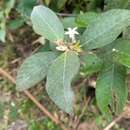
{"x": 82, "y": 113}
{"x": 40, "y": 106}
{"x": 15, "y": 61}
{"x": 5, "y": 74}
{"x": 114, "y": 122}
{"x": 85, "y": 107}
{"x": 65, "y": 14}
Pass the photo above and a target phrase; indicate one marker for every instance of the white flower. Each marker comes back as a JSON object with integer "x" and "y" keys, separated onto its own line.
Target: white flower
{"x": 12, "y": 104}
{"x": 61, "y": 48}
{"x": 72, "y": 32}
{"x": 114, "y": 50}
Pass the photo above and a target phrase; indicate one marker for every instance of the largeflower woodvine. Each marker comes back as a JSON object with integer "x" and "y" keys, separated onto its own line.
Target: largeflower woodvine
{"x": 60, "y": 69}
{"x": 72, "y": 32}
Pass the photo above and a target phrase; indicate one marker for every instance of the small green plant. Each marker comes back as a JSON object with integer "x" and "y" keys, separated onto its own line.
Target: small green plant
{"x": 22, "y": 15}
{"x": 99, "y": 49}
{"x": 5, "y": 8}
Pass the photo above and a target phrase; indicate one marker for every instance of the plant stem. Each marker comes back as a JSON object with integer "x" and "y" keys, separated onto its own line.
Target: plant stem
{"x": 114, "y": 122}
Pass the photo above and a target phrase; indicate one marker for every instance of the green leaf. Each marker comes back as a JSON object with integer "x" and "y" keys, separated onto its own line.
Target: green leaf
{"x": 9, "y": 4}
{"x": 122, "y": 4}
{"x": 106, "y": 53}
{"x": 25, "y": 7}
{"x": 2, "y": 27}
{"x": 83, "y": 20}
{"x": 91, "y": 64}
{"x": 16, "y": 23}
{"x": 111, "y": 90}
{"x": 122, "y": 52}
{"x": 61, "y": 3}
{"x": 94, "y": 4}
{"x": 69, "y": 22}
{"x": 47, "y": 2}
{"x": 59, "y": 78}
{"x": 2, "y": 35}
{"x": 91, "y": 4}
{"x": 45, "y": 47}
{"x": 46, "y": 23}
{"x": 105, "y": 29}
{"x": 34, "y": 69}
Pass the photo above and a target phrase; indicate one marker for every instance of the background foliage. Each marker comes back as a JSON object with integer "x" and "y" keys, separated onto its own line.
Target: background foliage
{"x": 18, "y": 41}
